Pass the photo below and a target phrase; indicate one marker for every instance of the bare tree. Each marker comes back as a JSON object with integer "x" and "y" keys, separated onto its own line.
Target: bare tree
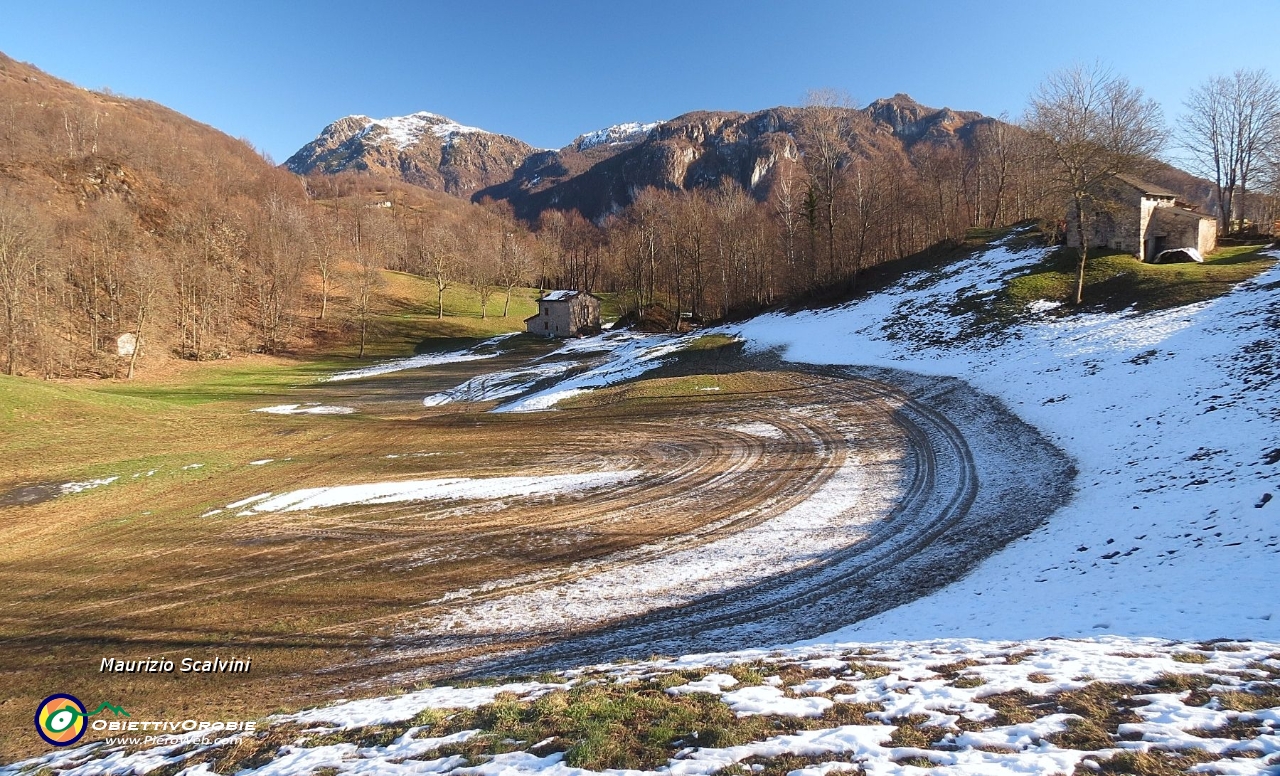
{"x": 21, "y": 252}
{"x": 1093, "y": 125}
{"x": 483, "y": 246}
{"x": 1232, "y": 124}
{"x": 438, "y": 255}
{"x": 995, "y": 150}
{"x": 365, "y": 280}
{"x": 145, "y": 278}
{"x": 825, "y": 126}
{"x": 787, "y": 207}
{"x": 326, "y": 241}
{"x": 514, "y": 262}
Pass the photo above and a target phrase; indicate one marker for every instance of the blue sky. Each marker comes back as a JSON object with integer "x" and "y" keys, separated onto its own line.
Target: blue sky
{"x": 277, "y": 72}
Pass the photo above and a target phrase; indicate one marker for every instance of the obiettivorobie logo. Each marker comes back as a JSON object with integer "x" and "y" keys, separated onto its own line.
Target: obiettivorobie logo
{"x": 61, "y": 718}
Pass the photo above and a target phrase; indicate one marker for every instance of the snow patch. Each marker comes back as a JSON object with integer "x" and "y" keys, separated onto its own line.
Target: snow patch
{"x": 427, "y": 359}
{"x": 1170, "y": 416}
{"x": 433, "y": 490}
{"x": 306, "y": 409}
{"x": 408, "y": 131}
{"x": 68, "y": 488}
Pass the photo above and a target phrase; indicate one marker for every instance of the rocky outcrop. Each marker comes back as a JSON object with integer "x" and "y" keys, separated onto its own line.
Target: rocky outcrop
{"x": 912, "y": 122}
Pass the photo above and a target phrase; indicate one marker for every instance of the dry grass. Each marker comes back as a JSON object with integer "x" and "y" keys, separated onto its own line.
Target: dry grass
{"x": 1103, "y": 707}
{"x": 950, "y": 670}
{"x": 1153, "y": 763}
{"x": 132, "y": 570}
{"x": 912, "y": 732}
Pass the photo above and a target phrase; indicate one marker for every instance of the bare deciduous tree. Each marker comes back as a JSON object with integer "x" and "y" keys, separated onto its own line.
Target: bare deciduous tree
{"x": 1092, "y": 125}
{"x": 1231, "y": 126}
{"x": 144, "y": 280}
{"x": 825, "y": 126}
{"x": 21, "y": 252}
{"x": 514, "y": 262}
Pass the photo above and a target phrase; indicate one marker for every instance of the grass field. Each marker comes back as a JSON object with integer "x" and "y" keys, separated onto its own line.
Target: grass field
{"x": 406, "y": 317}
{"x": 139, "y": 568}
{"x": 1115, "y": 281}
{"x": 129, "y": 569}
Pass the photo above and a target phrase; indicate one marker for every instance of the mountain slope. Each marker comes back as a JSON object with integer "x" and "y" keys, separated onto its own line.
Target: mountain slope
{"x": 700, "y": 149}
{"x": 423, "y": 148}
{"x": 138, "y": 218}
{"x": 599, "y": 171}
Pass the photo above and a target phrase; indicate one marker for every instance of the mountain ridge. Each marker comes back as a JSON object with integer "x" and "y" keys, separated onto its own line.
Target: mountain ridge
{"x": 599, "y": 171}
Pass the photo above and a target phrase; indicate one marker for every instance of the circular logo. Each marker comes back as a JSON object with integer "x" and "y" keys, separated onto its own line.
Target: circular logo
{"x": 60, "y": 719}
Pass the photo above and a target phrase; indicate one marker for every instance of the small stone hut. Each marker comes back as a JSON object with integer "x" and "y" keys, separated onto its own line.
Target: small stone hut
{"x": 565, "y": 314}
{"x": 126, "y": 344}
{"x": 1144, "y": 219}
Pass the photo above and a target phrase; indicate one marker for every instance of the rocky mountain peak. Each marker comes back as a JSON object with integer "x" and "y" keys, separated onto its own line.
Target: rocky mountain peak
{"x": 618, "y": 134}
{"x": 912, "y": 121}
{"x": 425, "y": 149}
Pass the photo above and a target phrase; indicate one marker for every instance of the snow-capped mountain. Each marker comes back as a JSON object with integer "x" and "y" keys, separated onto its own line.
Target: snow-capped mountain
{"x": 618, "y": 134}
{"x": 425, "y": 149}
{"x": 407, "y": 131}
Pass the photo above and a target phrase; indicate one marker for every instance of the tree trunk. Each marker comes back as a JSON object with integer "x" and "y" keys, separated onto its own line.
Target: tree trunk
{"x": 137, "y": 344}
{"x": 12, "y": 323}
{"x": 507, "y": 304}
{"x": 324, "y": 294}
{"x": 1081, "y": 233}
{"x": 440, "y": 303}
{"x": 364, "y": 328}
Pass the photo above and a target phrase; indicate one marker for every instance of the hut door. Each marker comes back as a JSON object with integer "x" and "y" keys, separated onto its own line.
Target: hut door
{"x": 1155, "y": 244}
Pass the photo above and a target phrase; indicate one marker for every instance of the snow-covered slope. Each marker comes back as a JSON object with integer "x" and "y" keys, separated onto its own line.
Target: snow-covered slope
{"x": 617, "y": 134}
{"x": 406, "y": 131}
{"x": 1173, "y": 418}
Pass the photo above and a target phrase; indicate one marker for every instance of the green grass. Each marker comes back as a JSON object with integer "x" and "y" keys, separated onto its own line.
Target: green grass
{"x": 1116, "y": 281}
{"x": 230, "y": 380}
{"x": 711, "y": 342}
{"x": 407, "y": 317}
{"x": 600, "y": 725}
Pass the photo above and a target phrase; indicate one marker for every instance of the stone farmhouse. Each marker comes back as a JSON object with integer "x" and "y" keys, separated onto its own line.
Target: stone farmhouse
{"x": 565, "y": 314}
{"x": 1143, "y": 219}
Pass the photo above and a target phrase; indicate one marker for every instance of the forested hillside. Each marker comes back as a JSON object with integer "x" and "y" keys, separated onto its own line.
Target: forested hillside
{"x": 120, "y": 216}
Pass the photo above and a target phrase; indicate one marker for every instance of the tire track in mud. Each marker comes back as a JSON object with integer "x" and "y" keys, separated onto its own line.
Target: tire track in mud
{"x": 754, "y": 508}
{"x": 812, "y": 600}
{"x": 707, "y": 457}
{"x": 933, "y": 523}
{"x": 710, "y": 621}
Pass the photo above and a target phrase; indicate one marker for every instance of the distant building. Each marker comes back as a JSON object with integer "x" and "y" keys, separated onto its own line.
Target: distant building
{"x": 1143, "y": 219}
{"x": 565, "y": 314}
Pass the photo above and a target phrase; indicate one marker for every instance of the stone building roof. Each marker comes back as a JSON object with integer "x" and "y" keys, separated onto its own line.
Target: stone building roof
{"x": 1179, "y": 212}
{"x": 562, "y": 296}
{"x": 1147, "y": 188}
